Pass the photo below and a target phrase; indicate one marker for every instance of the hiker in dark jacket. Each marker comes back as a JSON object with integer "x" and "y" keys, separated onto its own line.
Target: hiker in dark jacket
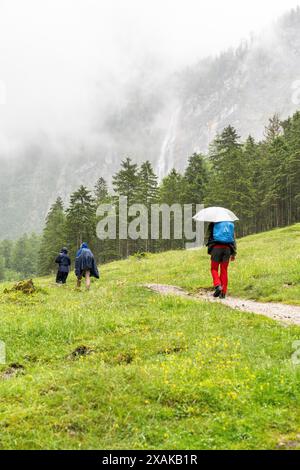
{"x": 222, "y": 247}
{"x": 85, "y": 266}
{"x": 64, "y": 264}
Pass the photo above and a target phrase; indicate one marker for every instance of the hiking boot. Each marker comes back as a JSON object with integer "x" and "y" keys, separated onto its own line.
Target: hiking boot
{"x": 222, "y": 295}
{"x": 218, "y": 290}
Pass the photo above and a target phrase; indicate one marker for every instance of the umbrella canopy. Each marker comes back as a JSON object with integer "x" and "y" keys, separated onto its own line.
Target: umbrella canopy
{"x": 215, "y": 214}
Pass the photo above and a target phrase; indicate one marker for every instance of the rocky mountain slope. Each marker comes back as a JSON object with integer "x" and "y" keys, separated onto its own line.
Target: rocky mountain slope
{"x": 163, "y": 120}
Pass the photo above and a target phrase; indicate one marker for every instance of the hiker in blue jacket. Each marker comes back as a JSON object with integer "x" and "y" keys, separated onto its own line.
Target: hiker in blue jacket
{"x": 64, "y": 264}
{"x": 222, "y": 247}
{"x": 85, "y": 266}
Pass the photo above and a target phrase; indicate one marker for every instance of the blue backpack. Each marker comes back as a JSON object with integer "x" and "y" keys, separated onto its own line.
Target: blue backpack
{"x": 223, "y": 232}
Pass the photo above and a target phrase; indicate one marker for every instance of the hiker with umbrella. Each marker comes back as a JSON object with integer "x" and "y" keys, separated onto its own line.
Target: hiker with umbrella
{"x": 221, "y": 244}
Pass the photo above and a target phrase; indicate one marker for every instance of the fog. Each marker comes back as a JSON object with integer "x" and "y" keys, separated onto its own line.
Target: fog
{"x": 65, "y": 63}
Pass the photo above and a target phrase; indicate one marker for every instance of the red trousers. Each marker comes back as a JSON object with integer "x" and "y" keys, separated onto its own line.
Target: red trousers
{"x": 222, "y": 279}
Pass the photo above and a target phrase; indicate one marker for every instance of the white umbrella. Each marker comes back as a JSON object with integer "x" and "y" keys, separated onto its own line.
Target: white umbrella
{"x": 215, "y": 214}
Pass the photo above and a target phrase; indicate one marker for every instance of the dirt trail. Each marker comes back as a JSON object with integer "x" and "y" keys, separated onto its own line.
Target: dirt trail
{"x": 280, "y": 312}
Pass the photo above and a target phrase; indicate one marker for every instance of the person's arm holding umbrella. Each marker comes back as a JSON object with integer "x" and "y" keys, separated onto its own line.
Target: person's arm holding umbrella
{"x": 210, "y": 237}
{"x": 233, "y": 251}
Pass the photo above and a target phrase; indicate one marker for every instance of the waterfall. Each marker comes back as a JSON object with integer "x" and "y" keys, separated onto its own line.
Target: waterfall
{"x": 166, "y": 157}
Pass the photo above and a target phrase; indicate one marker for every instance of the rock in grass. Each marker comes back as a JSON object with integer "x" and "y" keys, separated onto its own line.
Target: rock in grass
{"x": 81, "y": 350}
{"x": 13, "y": 370}
{"x": 124, "y": 358}
{"x": 27, "y": 287}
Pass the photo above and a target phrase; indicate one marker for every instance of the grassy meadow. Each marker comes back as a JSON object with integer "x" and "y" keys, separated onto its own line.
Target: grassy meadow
{"x": 122, "y": 367}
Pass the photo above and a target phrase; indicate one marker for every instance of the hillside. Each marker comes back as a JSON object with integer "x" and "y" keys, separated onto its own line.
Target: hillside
{"x": 163, "y": 119}
{"x": 242, "y": 87}
{"x": 190, "y": 374}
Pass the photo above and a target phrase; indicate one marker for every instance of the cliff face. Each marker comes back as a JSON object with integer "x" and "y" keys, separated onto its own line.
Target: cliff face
{"x": 161, "y": 120}
{"x": 243, "y": 88}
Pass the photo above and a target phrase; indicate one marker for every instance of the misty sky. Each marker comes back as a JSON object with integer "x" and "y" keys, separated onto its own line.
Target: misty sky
{"x": 62, "y": 62}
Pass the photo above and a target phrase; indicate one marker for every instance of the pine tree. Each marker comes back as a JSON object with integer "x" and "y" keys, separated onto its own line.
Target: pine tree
{"x": 172, "y": 191}
{"x": 273, "y": 129}
{"x": 6, "y": 248}
{"x": 274, "y": 174}
{"x": 255, "y": 186}
{"x": 106, "y": 250}
{"x": 33, "y": 250}
{"x": 196, "y": 179}
{"x": 19, "y": 254}
{"x": 224, "y": 149}
{"x": 81, "y": 219}
{"x": 101, "y": 191}
{"x": 147, "y": 184}
{"x": 147, "y": 195}
{"x": 225, "y": 152}
{"x": 230, "y": 184}
{"x": 126, "y": 182}
{"x": 53, "y": 237}
{"x": 291, "y": 167}
{"x": 25, "y": 255}
{"x": 172, "y": 188}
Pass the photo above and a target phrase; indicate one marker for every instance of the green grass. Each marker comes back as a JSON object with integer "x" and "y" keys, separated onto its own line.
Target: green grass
{"x": 164, "y": 372}
{"x": 267, "y": 268}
